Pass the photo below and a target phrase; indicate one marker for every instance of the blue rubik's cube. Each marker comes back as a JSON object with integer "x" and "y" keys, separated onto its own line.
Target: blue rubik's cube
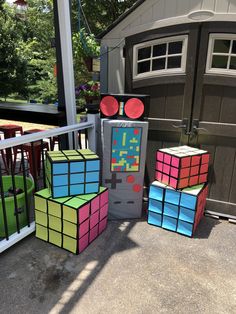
{"x": 176, "y": 210}
{"x": 72, "y": 172}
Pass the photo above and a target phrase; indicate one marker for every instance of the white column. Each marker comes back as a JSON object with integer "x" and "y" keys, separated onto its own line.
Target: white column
{"x": 67, "y": 59}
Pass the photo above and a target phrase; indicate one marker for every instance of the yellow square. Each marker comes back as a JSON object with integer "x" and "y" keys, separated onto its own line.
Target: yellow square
{"x": 41, "y": 218}
{"x": 55, "y": 223}
{"x": 40, "y": 203}
{"x": 41, "y": 232}
{"x": 55, "y": 237}
{"x": 70, "y": 244}
{"x": 54, "y": 209}
{"x": 69, "y": 229}
{"x": 69, "y": 214}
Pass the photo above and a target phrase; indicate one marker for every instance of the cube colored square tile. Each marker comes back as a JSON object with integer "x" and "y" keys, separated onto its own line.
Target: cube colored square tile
{"x": 41, "y": 218}
{"x": 76, "y": 189}
{"x": 173, "y": 183}
{"x": 185, "y": 228}
{"x": 184, "y": 173}
{"x": 103, "y": 196}
{"x": 60, "y": 168}
{"x": 195, "y": 160}
{"x": 185, "y": 162}
{"x": 93, "y": 165}
{"x": 94, "y": 219}
{"x": 40, "y": 200}
{"x": 205, "y": 158}
{"x": 69, "y": 244}
{"x": 174, "y": 172}
{"x": 76, "y": 178}
{"x": 60, "y": 191}
{"x": 167, "y": 159}
{"x": 159, "y": 166}
{"x": 83, "y": 228}
{"x": 91, "y": 188}
{"x": 154, "y": 219}
{"x": 70, "y": 229}
{"x": 156, "y": 191}
{"x": 204, "y": 168}
{"x": 183, "y": 183}
{"x": 95, "y": 203}
{"x": 83, "y": 243}
{"x": 194, "y": 171}
{"x": 92, "y": 176}
{"x": 93, "y": 233}
{"x": 175, "y": 161}
{"x": 171, "y": 210}
{"x": 158, "y": 176}
{"x": 165, "y": 178}
{"x": 169, "y": 223}
{"x": 55, "y": 237}
{"x": 76, "y": 167}
{"x": 55, "y": 223}
{"x": 41, "y": 232}
{"x": 102, "y": 225}
{"x": 186, "y": 214}
{"x": 103, "y": 212}
{"x": 155, "y": 206}
{"x": 59, "y": 180}
{"x": 84, "y": 213}
{"x": 193, "y": 180}
{"x": 172, "y": 196}
{"x": 203, "y": 178}
{"x": 166, "y": 169}
{"x": 160, "y": 156}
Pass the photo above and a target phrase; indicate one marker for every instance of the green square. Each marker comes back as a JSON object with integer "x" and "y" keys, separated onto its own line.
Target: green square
{"x": 85, "y": 152}
{"x": 55, "y": 237}
{"x": 41, "y": 218}
{"x": 91, "y": 156}
{"x": 40, "y": 200}
{"x": 55, "y": 223}
{"x": 41, "y": 232}
{"x": 87, "y": 197}
{"x": 54, "y": 153}
{"x": 102, "y": 189}
{"x": 70, "y": 244}
{"x": 75, "y": 202}
{"x": 70, "y": 152}
{"x": 70, "y": 229}
{"x": 75, "y": 158}
{"x": 59, "y": 159}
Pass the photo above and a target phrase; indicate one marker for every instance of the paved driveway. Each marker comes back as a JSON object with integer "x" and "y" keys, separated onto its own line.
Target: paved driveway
{"x": 131, "y": 268}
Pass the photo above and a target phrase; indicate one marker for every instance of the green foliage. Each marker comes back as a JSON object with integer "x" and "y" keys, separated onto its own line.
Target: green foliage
{"x": 85, "y": 45}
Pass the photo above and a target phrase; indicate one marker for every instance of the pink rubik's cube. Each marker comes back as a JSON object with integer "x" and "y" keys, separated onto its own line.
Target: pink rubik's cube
{"x": 182, "y": 166}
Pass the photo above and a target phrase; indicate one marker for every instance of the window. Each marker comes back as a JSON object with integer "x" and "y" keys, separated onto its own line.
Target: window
{"x": 160, "y": 57}
{"x": 221, "y": 57}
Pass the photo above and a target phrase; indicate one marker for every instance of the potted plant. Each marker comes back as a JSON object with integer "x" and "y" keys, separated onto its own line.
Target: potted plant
{"x": 90, "y": 91}
{"x": 85, "y": 47}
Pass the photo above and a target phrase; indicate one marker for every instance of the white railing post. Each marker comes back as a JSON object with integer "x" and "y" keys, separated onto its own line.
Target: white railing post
{"x": 93, "y": 133}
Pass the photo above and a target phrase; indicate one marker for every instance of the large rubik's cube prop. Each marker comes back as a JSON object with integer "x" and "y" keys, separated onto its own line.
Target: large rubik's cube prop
{"x": 182, "y": 166}
{"x": 72, "y": 172}
{"x": 177, "y": 199}
{"x": 178, "y": 211}
{"x": 71, "y": 222}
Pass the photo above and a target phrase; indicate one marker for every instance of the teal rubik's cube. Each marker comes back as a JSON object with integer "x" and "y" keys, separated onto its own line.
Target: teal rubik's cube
{"x": 176, "y": 210}
{"x": 72, "y": 172}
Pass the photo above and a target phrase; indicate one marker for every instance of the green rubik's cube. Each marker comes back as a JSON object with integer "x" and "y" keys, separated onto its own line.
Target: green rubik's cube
{"x": 71, "y": 222}
{"x": 72, "y": 172}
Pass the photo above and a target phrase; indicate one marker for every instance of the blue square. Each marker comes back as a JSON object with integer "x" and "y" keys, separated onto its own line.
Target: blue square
{"x": 77, "y": 178}
{"x": 188, "y": 201}
{"x": 59, "y": 180}
{"x": 76, "y": 189}
{"x": 169, "y": 223}
{"x": 156, "y": 193}
{"x": 93, "y": 165}
{"x": 155, "y": 206}
{"x": 172, "y": 196}
{"x": 60, "y": 168}
{"x": 92, "y": 176}
{"x": 77, "y": 166}
{"x": 186, "y": 214}
{"x": 91, "y": 188}
{"x": 60, "y": 191}
{"x": 154, "y": 219}
{"x": 171, "y": 210}
{"x": 185, "y": 228}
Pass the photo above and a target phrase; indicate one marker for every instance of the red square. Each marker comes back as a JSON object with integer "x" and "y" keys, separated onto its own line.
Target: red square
{"x": 194, "y": 170}
{"x": 167, "y": 159}
{"x": 160, "y": 156}
{"x": 174, "y": 172}
{"x": 184, "y": 173}
{"x": 103, "y": 212}
{"x": 158, "y": 176}
{"x": 83, "y": 228}
{"x": 183, "y": 183}
{"x": 205, "y": 158}
{"x": 193, "y": 180}
{"x": 195, "y": 160}
{"x": 173, "y": 183}
{"x": 94, "y": 219}
{"x": 93, "y": 233}
{"x": 159, "y": 166}
{"x": 175, "y": 161}
{"x": 185, "y": 162}
{"x": 102, "y": 225}
{"x": 165, "y": 179}
{"x": 204, "y": 168}
{"x": 166, "y": 169}
{"x": 83, "y": 213}
{"x": 203, "y": 178}
{"x": 83, "y": 242}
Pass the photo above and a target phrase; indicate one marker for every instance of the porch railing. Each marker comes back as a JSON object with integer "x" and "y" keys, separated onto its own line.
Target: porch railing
{"x": 22, "y": 172}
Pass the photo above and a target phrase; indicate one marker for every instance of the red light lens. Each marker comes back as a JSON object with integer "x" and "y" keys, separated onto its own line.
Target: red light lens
{"x": 134, "y": 108}
{"x": 109, "y": 106}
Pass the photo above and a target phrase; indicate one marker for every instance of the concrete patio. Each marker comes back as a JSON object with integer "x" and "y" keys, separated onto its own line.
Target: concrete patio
{"x": 131, "y": 268}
